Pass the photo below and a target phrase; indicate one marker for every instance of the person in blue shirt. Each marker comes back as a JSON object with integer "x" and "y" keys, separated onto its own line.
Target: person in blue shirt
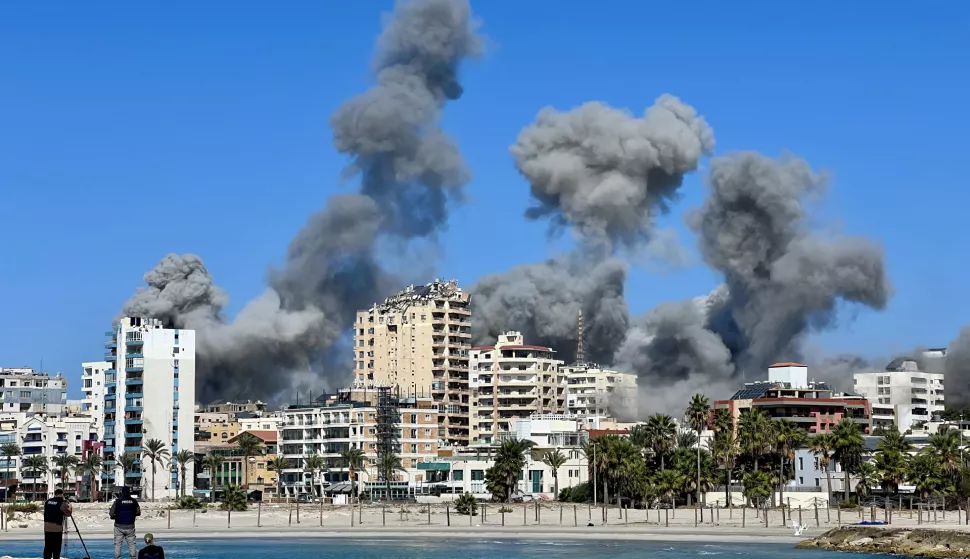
{"x": 124, "y": 511}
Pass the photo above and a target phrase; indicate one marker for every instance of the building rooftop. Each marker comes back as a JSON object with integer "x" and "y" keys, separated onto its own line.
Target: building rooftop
{"x": 787, "y": 364}
{"x": 265, "y": 436}
{"x": 438, "y": 289}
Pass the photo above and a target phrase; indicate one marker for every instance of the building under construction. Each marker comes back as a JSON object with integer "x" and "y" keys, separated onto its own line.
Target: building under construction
{"x": 417, "y": 342}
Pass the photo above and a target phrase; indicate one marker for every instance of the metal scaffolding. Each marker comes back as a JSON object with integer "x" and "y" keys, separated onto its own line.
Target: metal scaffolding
{"x": 388, "y": 422}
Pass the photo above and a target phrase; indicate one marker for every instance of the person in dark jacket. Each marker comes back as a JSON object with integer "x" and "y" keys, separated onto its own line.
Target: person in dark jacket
{"x": 55, "y": 510}
{"x": 151, "y": 551}
{"x": 123, "y": 512}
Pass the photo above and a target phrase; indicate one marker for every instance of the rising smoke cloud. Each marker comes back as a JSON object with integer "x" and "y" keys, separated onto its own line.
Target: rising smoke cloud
{"x": 957, "y": 370}
{"x": 409, "y": 169}
{"x": 605, "y": 174}
{"x": 601, "y": 173}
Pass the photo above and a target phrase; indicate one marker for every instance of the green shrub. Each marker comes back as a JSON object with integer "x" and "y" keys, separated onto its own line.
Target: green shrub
{"x": 466, "y": 504}
{"x": 504, "y": 509}
{"x": 234, "y": 499}
{"x": 25, "y": 508}
{"x": 579, "y": 493}
{"x": 189, "y": 502}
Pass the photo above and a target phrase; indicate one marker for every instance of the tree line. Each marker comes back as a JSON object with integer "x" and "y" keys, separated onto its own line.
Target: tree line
{"x": 655, "y": 465}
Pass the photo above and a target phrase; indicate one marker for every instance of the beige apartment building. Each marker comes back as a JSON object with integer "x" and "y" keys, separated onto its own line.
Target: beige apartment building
{"x": 417, "y": 341}
{"x": 333, "y": 426}
{"x": 512, "y": 380}
{"x": 592, "y": 391}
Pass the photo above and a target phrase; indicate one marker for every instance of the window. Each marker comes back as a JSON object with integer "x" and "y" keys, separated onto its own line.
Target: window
{"x": 457, "y": 475}
{"x": 478, "y": 475}
{"x": 801, "y": 465}
{"x": 175, "y": 350}
{"x": 817, "y": 484}
{"x": 801, "y": 481}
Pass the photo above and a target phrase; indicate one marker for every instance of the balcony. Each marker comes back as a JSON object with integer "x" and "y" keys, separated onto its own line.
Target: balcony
{"x": 110, "y": 344}
{"x": 133, "y": 449}
{"x": 134, "y": 382}
{"x": 135, "y": 368}
{"x": 130, "y": 422}
{"x": 134, "y": 395}
{"x": 110, "y": 357}
{"x": 136, "y": 355}
{"x": 108, "y": 397}
{"x": 111, "y": 334}
{"x": 134, "y": 343}
{"x": 109, "y": 450}
{"x": 133, "y": 408}
{"x": 109, "y": 423}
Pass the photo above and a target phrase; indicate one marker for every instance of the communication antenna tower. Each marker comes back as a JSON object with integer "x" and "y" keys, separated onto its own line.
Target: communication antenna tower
{"x": 580, "y": 358}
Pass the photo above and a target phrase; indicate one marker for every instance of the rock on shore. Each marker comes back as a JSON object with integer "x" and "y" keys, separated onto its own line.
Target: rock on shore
{"x": 908, "y": 542}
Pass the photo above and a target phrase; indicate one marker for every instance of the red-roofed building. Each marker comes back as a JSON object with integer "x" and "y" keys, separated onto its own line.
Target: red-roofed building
{"x": 788, "y": 394}
{"x": 513, "y": 380}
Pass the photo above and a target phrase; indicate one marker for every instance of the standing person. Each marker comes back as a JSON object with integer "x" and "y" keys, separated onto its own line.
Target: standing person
{"x": 151, "y": 551}
{"x": 55, "y": 509}
{"x": 123, "y": 512}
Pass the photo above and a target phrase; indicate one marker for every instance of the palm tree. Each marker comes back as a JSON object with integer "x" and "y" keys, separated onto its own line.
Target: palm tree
{"x": 92, "y": 467}
{"x": 847, "y": 447}
{"x": 316, "y": 464}
{"x": 757, "y": 487}
{"x": 128, "y": 461}
{"x": 821, "y": 446}
{"x": 156, "y": 453}
{"x": 945, "y": 446}
{"x": 662, "y": 435}
{"x": 32, "y": 467}
{"x": 555, "y": 460}
{"x": 509, "y": 461}
{"x": 249, "y": 445}
{"x": 756, "y": 435}
{"x": 65, "y": 464}
{"x": 183, "y": 458}
{"x": 894, "y": 440}
{"x": 9, "y": 451}
{"x": 724, "y": 448}
{"x": 788, "y": 439}
{"x": 387, "y": 464}
{"x": 354, "y": 459}
{"x": 212, "y": 463}
{"x": 278, "y": 464}
{"x": 867, "y": 476}
{"x": 891, "y": 467}
{"x": 596, "y": 462}
{"x": 698, "y": 412}
{"x": 925, "y": 474}
{"x": 235, "y": 499}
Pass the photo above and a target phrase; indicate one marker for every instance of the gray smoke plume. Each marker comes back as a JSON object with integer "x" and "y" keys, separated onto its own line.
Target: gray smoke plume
{"x": 606, "y": 174}
{"x": 957, "y": 370}
{"x": 409, "y": 170}
{"x": 543, "y": 301}
{"x": 781, "y": 281}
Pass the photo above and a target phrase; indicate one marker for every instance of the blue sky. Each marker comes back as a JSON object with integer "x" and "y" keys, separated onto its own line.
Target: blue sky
{"x": 129, "y": 130}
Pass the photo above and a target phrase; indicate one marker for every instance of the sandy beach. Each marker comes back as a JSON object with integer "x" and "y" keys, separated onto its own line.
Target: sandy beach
{"x": 414, "y": 521}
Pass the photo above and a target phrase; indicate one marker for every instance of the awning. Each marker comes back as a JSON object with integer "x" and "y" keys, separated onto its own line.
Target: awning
{"x": 436, "y": 466}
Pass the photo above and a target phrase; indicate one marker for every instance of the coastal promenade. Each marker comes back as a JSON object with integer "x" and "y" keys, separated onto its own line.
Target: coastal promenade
{"x": 551, "y": 520}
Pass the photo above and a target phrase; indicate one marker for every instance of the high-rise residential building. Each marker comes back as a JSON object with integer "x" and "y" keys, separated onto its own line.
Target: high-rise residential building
{"x": 331, "y": 426}
{"x": 788, "y": 393}
{"x": 907, "y": 393}
{"x": 27, "y": 391}
{"x": 92, "y": 386}
{"x": 153, "y": 380}
{"x": 417, "y": 341}
{"x": 593, "y": 391}
{"x": 511, "y": 380}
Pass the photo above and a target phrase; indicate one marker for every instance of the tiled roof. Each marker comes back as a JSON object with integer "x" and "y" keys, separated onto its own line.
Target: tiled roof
{"x": 787, "y": 364}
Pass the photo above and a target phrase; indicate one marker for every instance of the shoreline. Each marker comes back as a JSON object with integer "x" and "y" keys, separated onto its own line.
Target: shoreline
{"x": 769, "y": 536}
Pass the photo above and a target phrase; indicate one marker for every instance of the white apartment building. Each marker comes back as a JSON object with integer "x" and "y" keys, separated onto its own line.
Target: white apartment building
{"x": 418, "y": 341}
{"x": 92, "y": 386}
{"x": 329, "y": 428}
{"x": 265, "y": 423}
{"x": 24, "y": 390}
{"x": 904, "y": 395}
{"x": 150, "y": 360}
{"x": 463, "y": 471}
{"x": 46, "y": 437}
{"x": 510, "y": 381}
{"x": 591, "y": 390}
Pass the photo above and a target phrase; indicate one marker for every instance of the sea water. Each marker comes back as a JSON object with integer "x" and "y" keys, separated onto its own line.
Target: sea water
{"x": 316, "y": 548}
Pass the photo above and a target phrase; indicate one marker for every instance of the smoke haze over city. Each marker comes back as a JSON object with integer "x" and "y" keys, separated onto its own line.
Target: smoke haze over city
{"x": 602, "y": 175}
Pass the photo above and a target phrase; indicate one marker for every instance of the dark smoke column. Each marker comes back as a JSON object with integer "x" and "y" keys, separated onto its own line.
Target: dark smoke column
{"x": 605, "y": 174}
{"x": 290, "y": 336}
